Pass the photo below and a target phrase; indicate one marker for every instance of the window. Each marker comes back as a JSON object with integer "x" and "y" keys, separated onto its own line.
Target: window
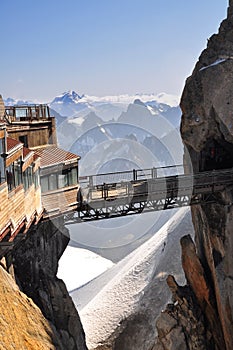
{"x": 2, "y": 170}
{"x": 44, "y": 183}
{"x": 9, "y": 177}
{"x": 53, "y": 182}
{"x": 33, "y": 112}
{"x": 30, "y": 176}
{"x": 2, "y": 163}
{"x": 37, "y": 178}
{"x": 17, "y": 174}
{"x": 14, "y": 174}
{"x": 24, "y": 140}
{"x": 62, "y": 180}
{"x": 21, "y": 113}
{"x": 72, "y": 176}
{"x": 49, "y": 183}
{"x": 27, "y": 178}
{"x": 68, "y": 177}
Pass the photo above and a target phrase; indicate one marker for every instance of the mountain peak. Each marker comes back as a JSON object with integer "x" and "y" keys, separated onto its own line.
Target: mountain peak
{"x": 69, "y": 96}
{"x": 139, "y": 102}
{"x": 73, "y": 94}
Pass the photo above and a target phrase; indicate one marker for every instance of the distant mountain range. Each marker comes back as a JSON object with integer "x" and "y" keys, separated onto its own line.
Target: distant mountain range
{"x": 71, "y": 104}
{"x": 74, "y": 105}
{"x": 116, "y": 133}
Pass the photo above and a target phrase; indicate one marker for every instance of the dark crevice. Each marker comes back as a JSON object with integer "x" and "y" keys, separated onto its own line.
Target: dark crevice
{"x": 217, "y": 154}
{"x": 217, "y": 257}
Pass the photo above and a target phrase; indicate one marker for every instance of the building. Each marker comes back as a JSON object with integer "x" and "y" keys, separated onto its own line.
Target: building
{"x": 33, "y": 127}
{"x": 20, "y": 193}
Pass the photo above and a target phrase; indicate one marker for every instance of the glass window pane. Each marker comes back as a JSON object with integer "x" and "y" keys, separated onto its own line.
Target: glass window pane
{"x": 10, "y": 177}
{"x": 2, "y": 170}
{"x": 62, "y": 180}
{"x": 30, "y": 176}
{"x": 52, "y": 182}
{"x": 36, "y": 178}
{"x": 25, "y": 180}
{"x": 74, "y": 176}
{"x": 69, "y": 177}
{"x": 44, "y": 184}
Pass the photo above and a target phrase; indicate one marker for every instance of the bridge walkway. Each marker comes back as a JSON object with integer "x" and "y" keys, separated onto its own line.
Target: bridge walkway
{"x": 147, "y": 190}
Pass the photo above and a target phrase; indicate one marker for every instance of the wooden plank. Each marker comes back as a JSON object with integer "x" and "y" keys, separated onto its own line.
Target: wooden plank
{"x": 2, "y": 108}
{"x": 28, "y": 162}
{"x": 2, "y": 133}
{"x": 13, "y": 157}
{"x": 18, "y": 205}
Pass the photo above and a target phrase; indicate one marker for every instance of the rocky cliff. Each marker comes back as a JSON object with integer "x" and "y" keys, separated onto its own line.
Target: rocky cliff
{"x": 35, "y": 265}
{"x": 22, "y": 325}
{"x": 201, "y": 315}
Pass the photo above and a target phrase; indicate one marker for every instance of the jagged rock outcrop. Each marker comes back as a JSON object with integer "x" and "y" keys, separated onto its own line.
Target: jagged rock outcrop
{"x": 22, "y": 325}
{"x": 35, "y": 266}
{"x": 191, "y": 322}
{"x": 207, "y": 131}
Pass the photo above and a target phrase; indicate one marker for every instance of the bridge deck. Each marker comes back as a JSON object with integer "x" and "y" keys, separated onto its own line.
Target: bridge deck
{"x": 149, "y": 192}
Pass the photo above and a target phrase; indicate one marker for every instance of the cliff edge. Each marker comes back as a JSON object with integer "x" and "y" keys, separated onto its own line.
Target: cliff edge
{"x": 22, "y": 325}
{"x": 35, "y": 263}
{"x": 201, "y": 315}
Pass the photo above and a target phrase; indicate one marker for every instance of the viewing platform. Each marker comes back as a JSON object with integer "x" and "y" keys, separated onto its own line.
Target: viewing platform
{"x": 32, "y": 125}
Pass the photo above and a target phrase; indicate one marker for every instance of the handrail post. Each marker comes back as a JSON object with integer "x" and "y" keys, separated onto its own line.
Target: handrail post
{"x": 90, "y": 181}
{"x": 134, "y": 175}
{"x": 154, "y": 173}
{"x": 105, "y": 191}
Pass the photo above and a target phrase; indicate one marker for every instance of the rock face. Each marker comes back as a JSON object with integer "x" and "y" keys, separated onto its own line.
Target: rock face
{"x": 35, "y": 265}
{"x": 22, "y": 325}
{"x": 207, "y": 131}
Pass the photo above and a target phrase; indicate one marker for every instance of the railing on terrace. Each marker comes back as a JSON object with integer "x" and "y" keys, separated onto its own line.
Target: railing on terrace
{"x": 27, "y": 113}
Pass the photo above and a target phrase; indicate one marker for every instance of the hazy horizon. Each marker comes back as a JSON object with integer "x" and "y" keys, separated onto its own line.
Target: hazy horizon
{"x": 102, "y": 48}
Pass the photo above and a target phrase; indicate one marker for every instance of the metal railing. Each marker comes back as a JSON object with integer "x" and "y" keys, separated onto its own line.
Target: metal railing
{"x": 131, "y": 175}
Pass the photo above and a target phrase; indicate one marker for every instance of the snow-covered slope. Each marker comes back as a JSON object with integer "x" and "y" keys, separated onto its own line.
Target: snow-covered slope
{"x": 132, "y": 295}
{"x": 93, "y": 265}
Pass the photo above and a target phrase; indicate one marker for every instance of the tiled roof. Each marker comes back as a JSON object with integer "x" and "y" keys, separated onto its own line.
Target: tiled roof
{"x": 36, "y": 157}
{"x": 12, "y": 143}
{"x": 26, "y": 152}
{"x": 53, "y": 155}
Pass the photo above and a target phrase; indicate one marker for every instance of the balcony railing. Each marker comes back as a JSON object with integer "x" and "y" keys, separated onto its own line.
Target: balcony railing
{"x": 27, "y": 113}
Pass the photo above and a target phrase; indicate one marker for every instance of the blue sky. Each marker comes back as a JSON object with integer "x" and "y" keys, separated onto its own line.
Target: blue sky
{"x": 102, "y": 47}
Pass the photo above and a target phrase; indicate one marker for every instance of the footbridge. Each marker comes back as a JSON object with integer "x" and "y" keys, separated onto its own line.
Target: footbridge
{"x": 118, "y": 194}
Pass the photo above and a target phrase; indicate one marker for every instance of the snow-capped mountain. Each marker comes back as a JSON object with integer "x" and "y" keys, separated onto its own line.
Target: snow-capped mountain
{"x": 71, "y": 104}
{"x": 67, "y": 97}
{"x": 68, "y": 103}
{"x": 118, "y": 131}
